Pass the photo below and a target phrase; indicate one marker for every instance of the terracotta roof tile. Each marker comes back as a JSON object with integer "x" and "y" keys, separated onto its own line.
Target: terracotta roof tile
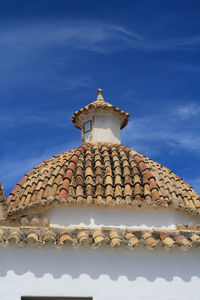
{"x": 101, "y": 174}
{"x": 39, "y": 234}
{"x": 64, "y": 238}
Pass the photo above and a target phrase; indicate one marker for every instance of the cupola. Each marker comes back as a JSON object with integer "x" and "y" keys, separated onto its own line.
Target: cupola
{"x": 100, "y": 121}
{"x": 99, "y": 173}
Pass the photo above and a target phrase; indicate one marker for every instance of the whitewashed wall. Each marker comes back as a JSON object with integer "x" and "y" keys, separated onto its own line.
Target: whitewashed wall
{"x": 105, "y": 128}
{"x": 119, "y": 217}
{"x": 104, "y": 273}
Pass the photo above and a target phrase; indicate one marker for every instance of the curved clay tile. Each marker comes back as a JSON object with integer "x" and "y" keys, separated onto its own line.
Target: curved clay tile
{"x": 64, "y": 238}
{"x": 115, "y": 237}
{"x": 101, "y": 175}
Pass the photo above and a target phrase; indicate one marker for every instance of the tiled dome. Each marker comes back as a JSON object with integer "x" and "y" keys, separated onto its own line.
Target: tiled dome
{"x": 101, "y": 175}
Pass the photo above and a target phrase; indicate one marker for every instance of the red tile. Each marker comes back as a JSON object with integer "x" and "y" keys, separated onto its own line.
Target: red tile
{"x": 68, "y": 174}
{"x": 62, "y": 194}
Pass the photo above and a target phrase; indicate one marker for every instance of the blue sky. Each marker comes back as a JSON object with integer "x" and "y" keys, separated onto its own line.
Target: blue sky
{"x": 55, "y": 54}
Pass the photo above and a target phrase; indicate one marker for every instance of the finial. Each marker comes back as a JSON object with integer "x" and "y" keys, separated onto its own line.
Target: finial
{"x": 100, "y": 97}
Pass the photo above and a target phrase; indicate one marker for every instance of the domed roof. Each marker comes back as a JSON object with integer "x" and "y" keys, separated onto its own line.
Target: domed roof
{"x": 101, "y": 175}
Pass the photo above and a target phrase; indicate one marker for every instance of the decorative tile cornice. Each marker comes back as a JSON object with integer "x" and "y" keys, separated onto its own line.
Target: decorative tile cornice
{"x": 40, "y": 235}
{"x": 95, "y": 107}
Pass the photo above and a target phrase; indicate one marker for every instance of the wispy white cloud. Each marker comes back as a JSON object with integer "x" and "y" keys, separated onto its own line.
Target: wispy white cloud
{"x": 88, "y": 35}
{"x": 91, "y": 36}
{"x": 178, "y": 43}
{"x": 149, "y": 134}
{"x": 187, "y": 111}
{"x": 27, "y": 50}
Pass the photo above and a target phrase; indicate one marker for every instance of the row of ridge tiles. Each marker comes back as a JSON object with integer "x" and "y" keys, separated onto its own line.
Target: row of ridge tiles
{"x": 95, "y": 237}
{"x": 105, "y": 175}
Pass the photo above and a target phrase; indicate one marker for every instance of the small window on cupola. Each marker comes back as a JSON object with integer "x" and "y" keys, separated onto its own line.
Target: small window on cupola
{"x": 87, "y": 126}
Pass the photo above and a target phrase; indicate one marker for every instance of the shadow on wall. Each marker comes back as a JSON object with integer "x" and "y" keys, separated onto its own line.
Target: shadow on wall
{"x": 103, "y": 261}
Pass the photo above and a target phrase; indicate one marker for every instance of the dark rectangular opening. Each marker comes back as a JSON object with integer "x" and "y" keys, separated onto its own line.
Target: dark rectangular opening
{"x": 87, "y": 126}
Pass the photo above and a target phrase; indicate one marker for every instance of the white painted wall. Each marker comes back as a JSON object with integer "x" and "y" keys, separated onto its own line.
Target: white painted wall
{"x": 105, "y": 128}
{"x": 105, "y": 273}
{"x": 119, "y": 217}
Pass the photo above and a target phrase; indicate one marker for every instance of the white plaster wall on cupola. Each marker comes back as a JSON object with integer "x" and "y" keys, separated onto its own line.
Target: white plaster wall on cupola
{"x": 100, "y": 125}
{"x": 105, "y": 128}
